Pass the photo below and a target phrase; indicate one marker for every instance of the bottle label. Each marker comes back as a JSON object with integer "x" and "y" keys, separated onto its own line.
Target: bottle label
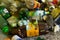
{"x": 5, "y": 10}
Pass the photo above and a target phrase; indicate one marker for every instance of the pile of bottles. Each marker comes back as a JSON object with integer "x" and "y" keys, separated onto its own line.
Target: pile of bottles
{"x": 28, "y": 18}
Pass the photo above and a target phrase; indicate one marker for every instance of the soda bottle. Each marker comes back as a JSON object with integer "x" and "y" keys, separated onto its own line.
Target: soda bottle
{"x": 4, "y": 12}
{"x": 3, "y": 25}
{"x": 16, "y": 37}
{"x": 23, "y": 13}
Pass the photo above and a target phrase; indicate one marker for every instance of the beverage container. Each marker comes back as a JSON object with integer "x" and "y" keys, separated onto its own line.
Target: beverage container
{"x": 3, "y": 25}
{"x": 4, "y": 12}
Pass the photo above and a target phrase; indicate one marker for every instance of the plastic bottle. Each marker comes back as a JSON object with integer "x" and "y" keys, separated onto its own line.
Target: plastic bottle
{"x": 4, "y": 12}
{"x": 15, "y": 37}
{"x": 3, "y": 25}
{"x": 23, "y": 13}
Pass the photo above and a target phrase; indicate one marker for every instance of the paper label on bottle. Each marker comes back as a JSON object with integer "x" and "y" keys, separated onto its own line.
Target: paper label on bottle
{"x": 39, "y": 12}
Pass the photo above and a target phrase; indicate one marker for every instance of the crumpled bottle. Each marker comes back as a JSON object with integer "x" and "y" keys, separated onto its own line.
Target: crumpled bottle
{"x": 5, "y": 29}
{"x": 15, "y": 37}
{"x": 12, "y": 21}
{"x": 23, "y": 13}
{"x": 29, "y": 3}
{"x": 3, "y": 25}
{"x": 4, "y": 12}
{"x": 40, "y": 38}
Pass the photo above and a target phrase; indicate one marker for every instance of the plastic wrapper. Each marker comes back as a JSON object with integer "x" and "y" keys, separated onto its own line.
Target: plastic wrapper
{"x": 12, "y": 21}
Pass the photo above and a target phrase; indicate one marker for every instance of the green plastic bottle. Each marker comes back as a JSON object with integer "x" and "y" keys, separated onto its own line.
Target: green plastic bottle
{"x": 40, "y": 38}
{"x": 3, "y": 25}
{"x": 5, "y": 29}
{"x": 31, "y": 13}
{"x": 23, "y": 13}
{"x": 4, "y": 12}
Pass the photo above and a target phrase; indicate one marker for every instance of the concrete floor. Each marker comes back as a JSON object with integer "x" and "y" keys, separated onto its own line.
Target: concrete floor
{"x": 49, "y": 36}
{"x": 52, "y": 36}
{"x": 2, "y": 36}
